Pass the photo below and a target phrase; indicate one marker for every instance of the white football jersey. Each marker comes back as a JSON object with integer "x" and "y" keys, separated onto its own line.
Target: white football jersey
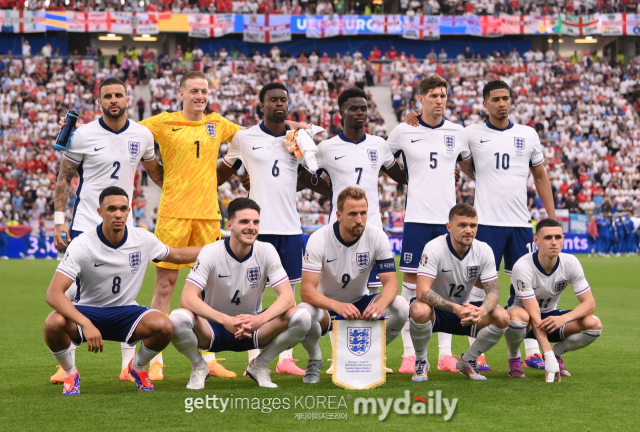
{"x": 355, "y": 164}
{"x": 344, "y": 267}
{"x": 454, "y": 275}
{"x": 106, "y": 159}
{"x": 502, "y": 160}
{"x": 233, "y": 286}
{"x": 108, "y": 275}
{"x": 274, "y": 177}
{"x": 430, "y": 155}
{"x": 529, "y": 280}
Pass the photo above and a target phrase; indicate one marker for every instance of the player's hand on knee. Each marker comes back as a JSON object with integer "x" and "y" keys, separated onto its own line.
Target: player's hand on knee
{"x": 243, "y": 332}
{"x": 57, "y": 237}
{"x": 93, "y": 337}
{"x": 348, "y": 311}
{"x": 552, "y": 323}
{"x": 373, "y": 312}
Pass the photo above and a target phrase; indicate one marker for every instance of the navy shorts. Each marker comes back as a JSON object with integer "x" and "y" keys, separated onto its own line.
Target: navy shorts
{"x": 554, "y": 336}
{"x": 361, "y": 304}
{"x": 74, "y": 234}
{"x": 415, "y": 237}
{"x": 291, "y": 250}
{"x": 116, "y": 323}
{"x": 512, "y": 243}
{"x": 223, "y": 340}
{"x": 448, "y": 322}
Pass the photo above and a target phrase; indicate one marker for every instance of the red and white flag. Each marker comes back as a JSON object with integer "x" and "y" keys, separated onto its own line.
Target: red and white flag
{"x": 331, "y": 25}
{"x": 386, "y": 24}
{"x": 144, "y": 23}
{"x": 421, "y": 27}
{"x": 21, "y": 21}
{"x": 85, "y": 22}
{"x": 206, "y": 26}
{"x": 267, "y": 28}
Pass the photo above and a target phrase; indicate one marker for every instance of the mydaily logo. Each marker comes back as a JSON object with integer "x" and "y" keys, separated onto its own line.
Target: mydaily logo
{"x": 405, "y": 405}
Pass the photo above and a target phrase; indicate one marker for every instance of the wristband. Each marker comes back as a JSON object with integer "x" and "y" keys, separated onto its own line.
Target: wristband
{"x": 58, "y": 218}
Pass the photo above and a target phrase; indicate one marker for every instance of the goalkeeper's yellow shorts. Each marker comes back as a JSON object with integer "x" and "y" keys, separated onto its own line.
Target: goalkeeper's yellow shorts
{"x": 177, "y": 233}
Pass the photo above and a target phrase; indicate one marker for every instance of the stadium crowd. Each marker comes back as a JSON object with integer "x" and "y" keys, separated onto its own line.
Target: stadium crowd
{"x": 322, "y": 7}
{"x": 584, "y": 109}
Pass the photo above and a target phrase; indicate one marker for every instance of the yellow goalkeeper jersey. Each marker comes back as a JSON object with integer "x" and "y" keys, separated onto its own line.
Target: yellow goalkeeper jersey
{"x": 189, "y": 157}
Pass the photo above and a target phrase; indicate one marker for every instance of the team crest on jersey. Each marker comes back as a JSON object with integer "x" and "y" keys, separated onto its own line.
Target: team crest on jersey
{"x": 472, "y": 272}
{"x": 362, "y": 259}
{"x": 424, "y": 260}
{"x": 211, "y": 129}
{"x": 560, "y": 286}
{"x": 134, "y": 148}
{"x": 135, "y": 259}
{"x": 519, "y": 143}
{"x": 359, "y": 340}
{"x": 408, "y": 256}
{"x": 305, "y": 258}
{"x": 373, "y": 156}
{"x": 449, "y": 142}
{"x": 196, "y": 265}
{"x": 520, "y": 285}
{"x": 253, "y": 274}
{"x": 66, "y": 255}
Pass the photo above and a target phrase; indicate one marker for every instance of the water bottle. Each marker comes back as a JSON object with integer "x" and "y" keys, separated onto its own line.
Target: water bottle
{"x": 64, "y": 240}
{"x": 64, "y": 136}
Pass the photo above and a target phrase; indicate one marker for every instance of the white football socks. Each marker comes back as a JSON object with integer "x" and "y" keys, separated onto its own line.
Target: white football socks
{"x": 408, "y": 292}
{"x": 143, "y": 357}
{"x": 513, "y": 337}
{"x": 209, "y": 356}
{"x": 311, "y": 342}
{"x": 66, "y": 360}
{"x": 297, "y": 328}
{"x": 576, "y": 341}
{"x": 420, "y": 335}
{"x": 184, "y": 338}
{"x": 397, "y": 314}
{"x": 253, "y": 353}
{"x": 128, "y": 352}
{"x": 487, "y": 338}
{"x": 286, "y": 354}
{"x": 531, "y": 347}
{"x": 444, "y": 345}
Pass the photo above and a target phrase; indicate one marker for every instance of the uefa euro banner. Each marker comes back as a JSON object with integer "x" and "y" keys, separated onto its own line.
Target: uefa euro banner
{"x": 359, "y": 353}
{"x": 267, "y": 28}
{"x": 331, "y": 25}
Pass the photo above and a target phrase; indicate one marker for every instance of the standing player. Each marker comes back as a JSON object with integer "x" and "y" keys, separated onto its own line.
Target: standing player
{"x": 604, "y": 232}
{"x": 503, "y": 155}
{"x": 262, "y": 151}
{"x": 449, "y": 267}
{"x": 104, "y": 152}
{"x": 108, "y": 264}
{"x": 538, "y": 280}
{"x": 337, "y": 262}
{"x": 222, "y": 298}
{"x": 188, "y": 214}
{"x": 430, "y": 153}
{"x": 354, "y": 158}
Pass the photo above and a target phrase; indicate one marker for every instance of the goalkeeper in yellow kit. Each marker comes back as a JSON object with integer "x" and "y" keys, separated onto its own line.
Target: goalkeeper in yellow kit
{"x": 188, "y": 214}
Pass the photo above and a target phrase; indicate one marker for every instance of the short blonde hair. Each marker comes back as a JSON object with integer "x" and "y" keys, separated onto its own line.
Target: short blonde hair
{"x": 192, "y": 75}
{"x": 353, "y": 193}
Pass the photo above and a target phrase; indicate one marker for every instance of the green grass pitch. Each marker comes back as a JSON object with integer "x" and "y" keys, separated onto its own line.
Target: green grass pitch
{"x": 602, "y": 394}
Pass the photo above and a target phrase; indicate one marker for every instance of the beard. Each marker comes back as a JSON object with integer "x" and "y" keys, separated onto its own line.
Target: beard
{"x": 119, "y": 114}
{"x": 353, "y": 232}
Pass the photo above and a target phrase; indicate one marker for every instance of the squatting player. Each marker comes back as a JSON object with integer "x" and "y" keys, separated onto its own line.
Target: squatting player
{"x": 104, "y": 152}
{"x": 337, "y": 262}
{"x": 261, "y": 150}
{"x": 108, "y": 263}
{"x": 538, "y": 280}
{"x": 223, "y": 295}
{"x": 188, "y": 214}
{"x": 449, "y": 267}
{"x": 430, "y": 153}
{"x": 355, "y": 158}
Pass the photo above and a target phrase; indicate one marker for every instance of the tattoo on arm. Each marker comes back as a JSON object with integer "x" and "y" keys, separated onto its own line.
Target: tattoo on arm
{"x": 68, "y": 169}
{"x": 433, "y": 299}
{"x": 156, "y": 172}
{"x": 492, "y": 289}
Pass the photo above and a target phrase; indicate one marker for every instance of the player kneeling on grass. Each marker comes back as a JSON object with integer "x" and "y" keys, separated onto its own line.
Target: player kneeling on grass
{"x": 335, "y": 273}
{"x": 448, "y": 269}
{"x": 108, "y": 265}
{"x": 222, "y": 297}
{"x": 537, "y": 282}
